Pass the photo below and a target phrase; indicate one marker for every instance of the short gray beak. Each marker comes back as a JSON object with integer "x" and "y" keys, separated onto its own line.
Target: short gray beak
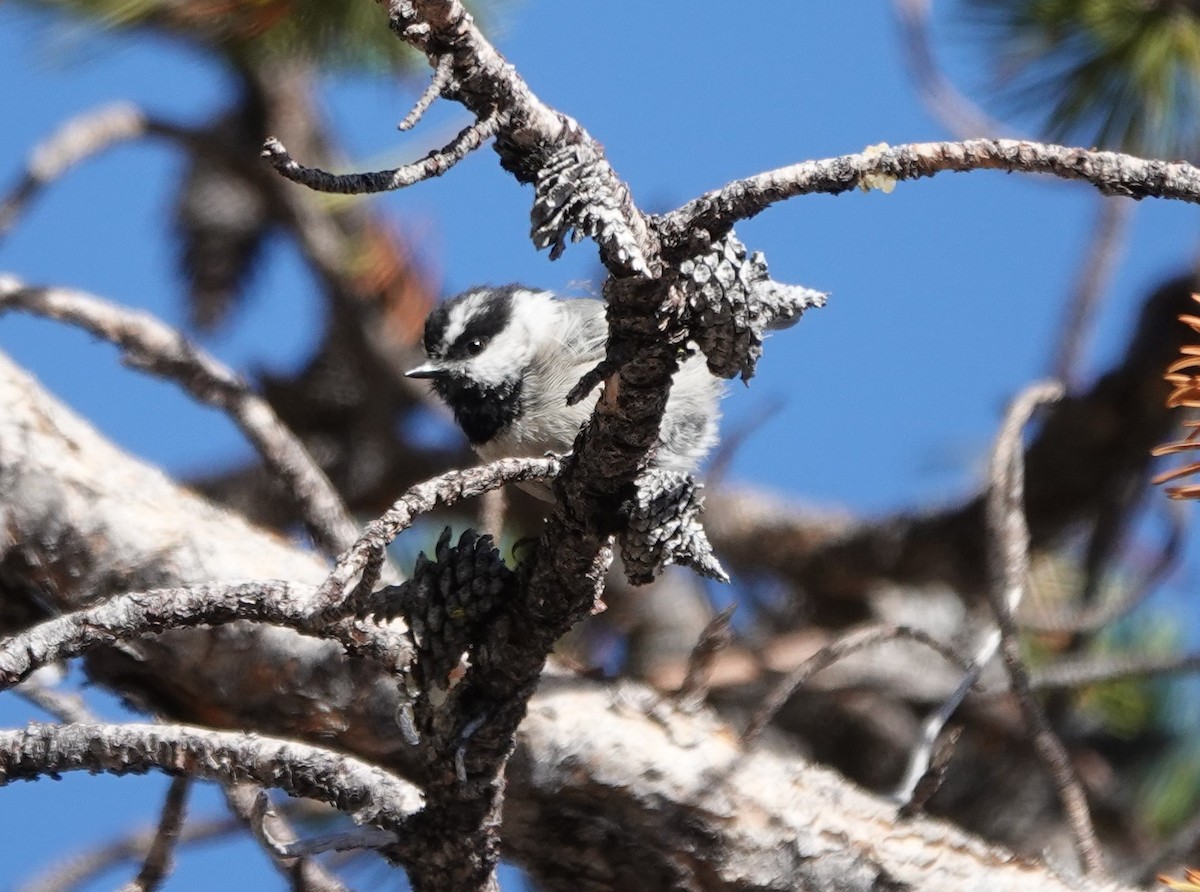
{"x": 429, "y": 370}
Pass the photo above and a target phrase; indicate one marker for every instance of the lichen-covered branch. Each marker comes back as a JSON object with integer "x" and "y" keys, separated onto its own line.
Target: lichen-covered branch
{"x": 1113, "y": 173}
{"x": 363, "y": 791}
{"x": 132, "y": 616}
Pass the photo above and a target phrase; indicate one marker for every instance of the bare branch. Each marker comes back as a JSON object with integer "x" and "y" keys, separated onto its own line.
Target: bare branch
{"x": 1113, "y": 173}
{"x": 924, "y": 755}
{"x": 157, "y": 863}
{"x": 345, "y": 841}
{"x": 432, "y": 165}
{"x": 530, "y": 135}
{"x": 76, "y": 869}
{"x": 830, "y": 654}
{"x": 305, "y": 874}
{"x": 931, "y": 779}
{"x": 150, "y": 345}
{"x": 365, "y": 557}
{"x": 78, "y": 139}
{"x": 365, "y": 792}
{"x": 1096, "y": 270}
{"x": 1008, "y": 561}
{"x": 130, "y": 616}
{"x": 442, "y": 75}
{"x": 963, "y": 118}
{"x": 683, "y": 758}
{"x": 66, "y": 706}
{"x": 716, "y": 636}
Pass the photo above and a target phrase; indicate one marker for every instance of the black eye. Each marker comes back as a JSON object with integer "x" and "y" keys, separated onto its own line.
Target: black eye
{"x": 474, "y": 347}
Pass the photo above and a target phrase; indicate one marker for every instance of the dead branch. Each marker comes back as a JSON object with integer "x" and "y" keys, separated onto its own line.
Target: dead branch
{"x": 158, "y": 861}
{"x": 363, "y": 791}
{"x": 132, "y": 616}
{"x": 830, "y": 654}
{"x": 959, "y": 115}
{"x": 1092, "y": 446}
{"x": 1008, "y": 559}
{"x": 364, "y": 559}
{"x": 76, "y": 869}
{"x": 432, "y": 165}
{"x": 441, "y": 79}
{"x": 65, "y": 706}
{"x": 1100, "y": 260}
{"x": 150, "y": 345}
{"x": 344, "y": 841}
{"x": 79, "y": 138}
{"x": 1113, "y": 173}
{"x": 716, "y": 636}
{"x": 1079, "y": 672}
{"x": 305, "y": 874}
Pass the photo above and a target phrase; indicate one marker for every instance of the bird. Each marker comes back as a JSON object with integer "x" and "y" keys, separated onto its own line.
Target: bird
{"x": 504, "y": 358}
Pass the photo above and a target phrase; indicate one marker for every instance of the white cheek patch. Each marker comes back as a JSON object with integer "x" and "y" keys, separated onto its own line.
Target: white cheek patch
{"x": 504, "y": 359}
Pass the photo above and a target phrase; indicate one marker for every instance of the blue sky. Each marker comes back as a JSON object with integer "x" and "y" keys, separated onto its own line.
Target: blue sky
{"x": 946, "y": 293}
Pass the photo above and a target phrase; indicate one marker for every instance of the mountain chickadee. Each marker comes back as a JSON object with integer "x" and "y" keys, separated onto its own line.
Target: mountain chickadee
{"x": 504, "y": 359}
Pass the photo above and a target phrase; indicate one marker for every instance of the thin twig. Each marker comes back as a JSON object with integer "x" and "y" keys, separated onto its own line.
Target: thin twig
{"x": 434, "y": 164}
{"x": 130, "y": 616}
{"x": 1113, "y": 173}
{"x": 735, "y": 437}
{"x": 492, "y": 508}
{"x": 158, "y": 861}
{"x": 963, "y": 118}
{"x": 76, "y": 140}
{"x": 1104, "y": 249}
{"x": 305, "y": 874}
{"x": 920, "y": 762}
{"x": 343, "y": 841}
{"x": 66, "y": 706}
{"x": 931, "y": 780}
{"x": 441, "y": 79}
{"x": 74, "y": 870}
{"x": 364, "y": 559}
{"x": 157, "y": 348}
{"x": 1008, "y": 563}
{"x": 714, "y": 638}
{"x": 831, "y": 653}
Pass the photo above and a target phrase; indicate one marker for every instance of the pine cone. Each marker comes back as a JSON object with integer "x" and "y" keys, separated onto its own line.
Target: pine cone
{"x": 664, "y": 528}
{"x": 732, "y": 303}
{"x": 579, "y": 195}
{"x": 447, "y": 601}
{"x": 222, "y": 215}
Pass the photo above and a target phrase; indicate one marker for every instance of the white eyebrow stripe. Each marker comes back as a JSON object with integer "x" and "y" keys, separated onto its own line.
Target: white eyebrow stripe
{"x": 456, "y": 323}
